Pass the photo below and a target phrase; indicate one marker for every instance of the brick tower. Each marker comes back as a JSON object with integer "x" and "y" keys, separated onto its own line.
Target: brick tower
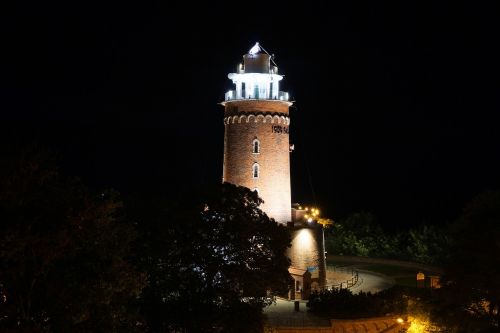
{"x": 256, "y": 142}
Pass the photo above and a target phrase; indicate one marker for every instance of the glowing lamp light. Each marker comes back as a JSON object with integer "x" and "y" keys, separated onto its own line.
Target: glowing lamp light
{"x": 255, "y": 49}
{"x": 309, "y": 220}
{"x": 304, "y": 240}
{"x": 400, "y": 320}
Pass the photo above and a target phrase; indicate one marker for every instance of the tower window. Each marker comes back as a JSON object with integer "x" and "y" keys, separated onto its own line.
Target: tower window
{"x": 255, "y": 170}
{"x": 256, "y": 146}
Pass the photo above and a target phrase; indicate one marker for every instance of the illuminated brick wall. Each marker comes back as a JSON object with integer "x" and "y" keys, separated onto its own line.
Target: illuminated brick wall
{"x": 308, "y": 250}
{"x": 267, "y": 121}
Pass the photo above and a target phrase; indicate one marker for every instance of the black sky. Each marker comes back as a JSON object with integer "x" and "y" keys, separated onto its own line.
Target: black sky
{"x": 396, "y": 104}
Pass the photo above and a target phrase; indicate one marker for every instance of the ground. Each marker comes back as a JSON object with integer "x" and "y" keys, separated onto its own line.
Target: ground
{"x": 283, "y": 314}
{"x": 388, "y": 271}
{"x": 374, "y": 275}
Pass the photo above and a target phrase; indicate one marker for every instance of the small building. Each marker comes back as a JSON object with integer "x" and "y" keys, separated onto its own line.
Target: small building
{"x": 298, "y": 214}
{"x": 434, "y": 281}
{"x": 420, "y": 280}
{"x": 302, "y": 283}
{"x": 308, "y": 249}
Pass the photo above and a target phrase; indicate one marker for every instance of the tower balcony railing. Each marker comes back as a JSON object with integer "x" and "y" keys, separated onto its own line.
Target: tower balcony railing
{"x": 232, "y": 96}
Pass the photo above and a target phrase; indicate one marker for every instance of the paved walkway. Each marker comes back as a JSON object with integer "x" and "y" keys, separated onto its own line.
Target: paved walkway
{"x": 336, "y": 277}
{"x": 368, "y": 281}
{"x": 282, "y": 314}
{"x": 285, "y": 319}
{"x": 372, "y": 282}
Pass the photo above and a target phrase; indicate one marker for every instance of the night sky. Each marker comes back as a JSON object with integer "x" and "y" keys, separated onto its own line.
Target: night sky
{"x": 396, "y": 105}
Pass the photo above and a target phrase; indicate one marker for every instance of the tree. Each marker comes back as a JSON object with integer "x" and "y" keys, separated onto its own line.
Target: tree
{"x": 471, "y": 292}
{"x": 213, "y": 263}
{"x": 358, "y": 235}
{"x": 63, "y": 252}
{"x": 428, "y": 244}
{"x": 342, "y": 303}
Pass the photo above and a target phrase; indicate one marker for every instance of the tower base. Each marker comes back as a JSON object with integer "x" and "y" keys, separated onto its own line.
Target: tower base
{"x": 307, "y": 254}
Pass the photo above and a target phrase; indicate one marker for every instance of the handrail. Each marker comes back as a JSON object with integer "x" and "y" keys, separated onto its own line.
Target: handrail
{"x": 231, "y": 95}
{"x": 349, "y": 283}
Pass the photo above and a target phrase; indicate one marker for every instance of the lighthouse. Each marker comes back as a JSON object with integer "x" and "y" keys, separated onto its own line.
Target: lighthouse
{"x": 257, "y": 155}
{"x": 256, "y": 136}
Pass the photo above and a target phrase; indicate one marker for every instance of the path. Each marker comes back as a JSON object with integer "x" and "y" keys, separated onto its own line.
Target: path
{"x": 372, "y": 282}
{"x": 283, "y": 314}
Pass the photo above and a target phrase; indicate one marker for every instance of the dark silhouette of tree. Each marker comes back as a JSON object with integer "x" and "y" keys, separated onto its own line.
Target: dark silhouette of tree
{"x": 471, "y": 292}
{"x": 342, "y": 303}
{"x": 214, "y": 263}
{"x": 63, "y": 251}
{"x": 70, "y": 261}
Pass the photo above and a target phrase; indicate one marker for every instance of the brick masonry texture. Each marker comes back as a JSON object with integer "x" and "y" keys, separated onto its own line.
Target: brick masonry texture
{"x": 274, "y": 157}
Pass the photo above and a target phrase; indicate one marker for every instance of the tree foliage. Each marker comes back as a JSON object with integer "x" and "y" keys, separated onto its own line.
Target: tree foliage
{"x": 71, "y": 261}
{"x": 342, "y": 303}
{"x": 471, "y": 292}
{"x": 428, "y": 244}
{"x": 214, "y": 263}
{"x": 415, "y": 305}
{"x": 63, "y": 252}
{"x": 360, "y": 235}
